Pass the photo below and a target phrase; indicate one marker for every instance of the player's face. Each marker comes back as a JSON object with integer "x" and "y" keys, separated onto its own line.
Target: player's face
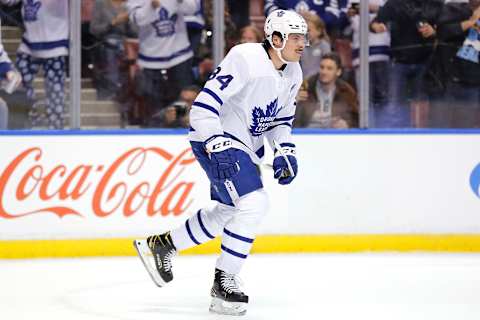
{"x": 294, "y": 47}
{"x": 329, "y": 71}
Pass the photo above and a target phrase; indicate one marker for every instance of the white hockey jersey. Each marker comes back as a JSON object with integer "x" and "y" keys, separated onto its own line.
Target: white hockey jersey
{"x": 247, "y": 99}
{"x": 379, "y": 43}
{"x": 4, "y": 58}
{"x": 162, "y": 31}
{"x": 46, "y": 27}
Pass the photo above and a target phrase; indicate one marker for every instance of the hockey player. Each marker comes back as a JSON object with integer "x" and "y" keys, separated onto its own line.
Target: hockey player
{"x": 44, "y": 43}
{"x": 250, "y": 96}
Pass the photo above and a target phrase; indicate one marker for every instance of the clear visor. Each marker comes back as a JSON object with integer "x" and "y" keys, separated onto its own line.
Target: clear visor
{"x": 299, "y": 38}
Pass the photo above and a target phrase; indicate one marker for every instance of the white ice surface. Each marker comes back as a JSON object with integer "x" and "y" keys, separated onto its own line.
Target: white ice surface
{"x": 294, "y": 287}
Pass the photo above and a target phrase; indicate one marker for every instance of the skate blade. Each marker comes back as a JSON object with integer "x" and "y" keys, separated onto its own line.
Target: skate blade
{"x": 148, "y": 261}
{"x": 229, "y": 308}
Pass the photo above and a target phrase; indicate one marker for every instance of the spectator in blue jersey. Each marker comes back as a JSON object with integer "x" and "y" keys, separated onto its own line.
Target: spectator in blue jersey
{"x": 44, "y": 44}
{"x": 332, "y": 12}
{"x": 165, "y": 55}
{"x": 110, "y": 25}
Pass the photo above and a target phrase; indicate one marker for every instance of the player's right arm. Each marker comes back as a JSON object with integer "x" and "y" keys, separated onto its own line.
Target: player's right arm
{"x": 143, "y": 12}
{"x": 227, "y": 80}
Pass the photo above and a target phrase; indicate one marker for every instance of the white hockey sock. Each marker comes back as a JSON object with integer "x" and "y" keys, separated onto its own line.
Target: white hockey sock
{"x": 204, "y": 226}
{"x": 239, "y": 232}
{"x": 235, "y": 249}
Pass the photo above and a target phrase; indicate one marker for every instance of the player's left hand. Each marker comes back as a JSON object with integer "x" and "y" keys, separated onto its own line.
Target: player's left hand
{"x": 280, "y": 166}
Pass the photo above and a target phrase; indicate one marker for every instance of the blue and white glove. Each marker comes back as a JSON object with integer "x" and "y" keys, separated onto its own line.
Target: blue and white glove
{"x": 281, "y": 169}
{"x": 223, "y": 158}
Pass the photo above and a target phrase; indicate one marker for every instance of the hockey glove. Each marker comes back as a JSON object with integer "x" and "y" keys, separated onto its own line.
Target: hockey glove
{"x": 281, "y": 170}
{"x": 223, "y": 158}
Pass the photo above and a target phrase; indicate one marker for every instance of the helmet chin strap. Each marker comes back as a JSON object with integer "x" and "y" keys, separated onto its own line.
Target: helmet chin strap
{"x": 278, "y": 51}
{"x": 279, "y": 54}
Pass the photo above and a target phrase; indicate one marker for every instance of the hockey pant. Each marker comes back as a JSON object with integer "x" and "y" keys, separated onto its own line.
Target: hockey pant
{"x": 54, "y": 69}
{"x": 236, "y": 223}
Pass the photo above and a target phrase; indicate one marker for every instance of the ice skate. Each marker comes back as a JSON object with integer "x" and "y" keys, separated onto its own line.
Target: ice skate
{"x": 227, "y": 298}
{"x": 156, "y": 253}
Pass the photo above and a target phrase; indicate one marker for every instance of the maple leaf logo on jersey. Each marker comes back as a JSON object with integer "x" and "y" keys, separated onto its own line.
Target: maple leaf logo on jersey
{"x": 165, "y": 25}
{"x": 30, "y": 10}
{"x": 263, "y": 120}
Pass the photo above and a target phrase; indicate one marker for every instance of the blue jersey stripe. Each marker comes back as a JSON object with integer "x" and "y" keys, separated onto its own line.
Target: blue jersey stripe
{"x": 287, "y": 144}
{"x": 213, "y": 95}
{"x": 280, "y": 124}
{"x": 260, "y": 152}
{"x": 203, "y": 226}
{"x": 285, "y": 118}
{"x": 167, "y": 58}
{"x": 190, "y": 233}
{"x": 206, "y": 106}
{"x": 46, "y": 45}
{"x": 134, "y": 15}
{"x": 373, "y": 50}
{"x": 237, "y": 236}
{"x": 234, "y": 253}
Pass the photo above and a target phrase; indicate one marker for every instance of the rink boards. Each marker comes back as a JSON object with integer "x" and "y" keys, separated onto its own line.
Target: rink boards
{"x": 89, "y": 193}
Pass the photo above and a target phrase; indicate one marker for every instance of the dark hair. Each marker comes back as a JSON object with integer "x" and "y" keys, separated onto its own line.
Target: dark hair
{"x": 267, "y": 44}
{"x": 334, "y": 57}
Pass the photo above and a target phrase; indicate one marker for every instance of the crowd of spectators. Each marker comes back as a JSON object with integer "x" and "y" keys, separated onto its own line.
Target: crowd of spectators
{"x": 153, "y": 56}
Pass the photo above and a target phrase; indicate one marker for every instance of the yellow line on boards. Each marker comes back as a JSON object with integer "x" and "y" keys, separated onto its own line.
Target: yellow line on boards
{"x": 12, "y": 249}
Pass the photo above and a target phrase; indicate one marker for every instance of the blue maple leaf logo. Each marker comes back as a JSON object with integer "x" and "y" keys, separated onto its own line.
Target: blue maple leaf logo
{"x": 261, "y": 121}
{"x": 165, "y": 25}
{"x": 30, "y": 10}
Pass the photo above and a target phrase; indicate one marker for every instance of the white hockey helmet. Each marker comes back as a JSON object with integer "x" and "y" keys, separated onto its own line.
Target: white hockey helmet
{"x": 284, "y": 22}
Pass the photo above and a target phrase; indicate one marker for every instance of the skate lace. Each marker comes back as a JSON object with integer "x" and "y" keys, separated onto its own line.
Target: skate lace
{"x": 167, "y": 260}
{"x": 229, "y": 283}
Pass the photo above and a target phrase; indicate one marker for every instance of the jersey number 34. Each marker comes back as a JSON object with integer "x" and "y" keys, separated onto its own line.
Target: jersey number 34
{"x": 224, "y": 80}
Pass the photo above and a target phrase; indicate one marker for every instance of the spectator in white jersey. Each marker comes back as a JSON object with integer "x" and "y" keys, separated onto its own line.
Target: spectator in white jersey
{"x": 44, "y": 44}
{"x": 165, "y": 55}
{"x": 379, "y": 58}
{"x": 250, "y": 96}
{"x": 9, "y": 81}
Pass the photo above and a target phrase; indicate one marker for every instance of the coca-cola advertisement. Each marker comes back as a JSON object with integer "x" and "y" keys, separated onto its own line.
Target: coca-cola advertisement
{"x": 94, "y": 186}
